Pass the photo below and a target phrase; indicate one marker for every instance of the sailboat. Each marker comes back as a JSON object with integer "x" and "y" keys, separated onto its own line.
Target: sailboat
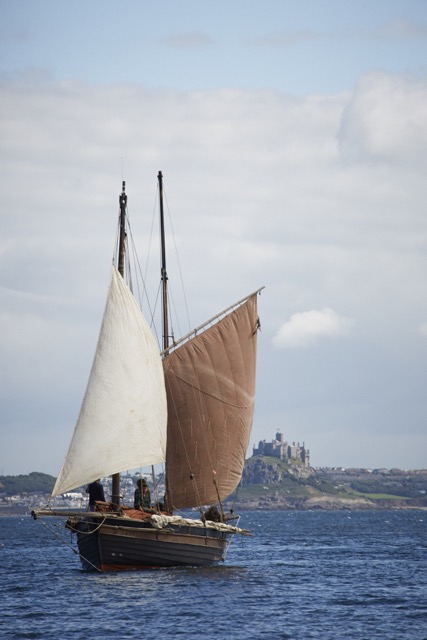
{"x": 188, "y": 404}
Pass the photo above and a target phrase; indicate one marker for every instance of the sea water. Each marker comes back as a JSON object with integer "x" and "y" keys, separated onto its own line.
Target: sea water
{"x": 328, "y": 575}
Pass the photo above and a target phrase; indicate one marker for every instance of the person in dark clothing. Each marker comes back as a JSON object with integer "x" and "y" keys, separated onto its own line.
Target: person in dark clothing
{"x": 96, "y": 493}
{"x": 142, "y": 497}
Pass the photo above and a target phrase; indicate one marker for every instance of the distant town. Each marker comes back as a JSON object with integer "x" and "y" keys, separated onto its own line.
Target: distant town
{"x": 277, "y": 476}
{"x": 29, "y": 495}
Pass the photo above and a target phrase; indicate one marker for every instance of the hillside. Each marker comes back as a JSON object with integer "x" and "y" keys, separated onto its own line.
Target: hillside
{"x": 269, "y": 483}
{"x": 35, "y": 482}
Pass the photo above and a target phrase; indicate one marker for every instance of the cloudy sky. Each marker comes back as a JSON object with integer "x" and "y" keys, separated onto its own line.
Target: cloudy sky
{"x": 293, "y": 141}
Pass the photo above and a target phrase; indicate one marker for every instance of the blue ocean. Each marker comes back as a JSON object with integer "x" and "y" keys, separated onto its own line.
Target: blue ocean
{"x": 328, "y": 575}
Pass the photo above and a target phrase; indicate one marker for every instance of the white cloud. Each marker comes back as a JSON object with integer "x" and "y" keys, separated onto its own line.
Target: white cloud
{"x": 386, "y": 119}
{"x": 307, "y": 328}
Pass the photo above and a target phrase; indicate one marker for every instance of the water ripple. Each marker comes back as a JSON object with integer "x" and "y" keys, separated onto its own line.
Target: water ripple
{"x": 302, "y": 575}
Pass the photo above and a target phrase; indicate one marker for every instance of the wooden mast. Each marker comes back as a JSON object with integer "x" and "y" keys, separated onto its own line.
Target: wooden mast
{"x": 165, "y": 322}
{"x": 164, "y": 275}
{"x": 115, "y": 491}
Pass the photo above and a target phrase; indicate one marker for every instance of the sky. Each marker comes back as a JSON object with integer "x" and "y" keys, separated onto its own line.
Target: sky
{"x": 292, "y": 137}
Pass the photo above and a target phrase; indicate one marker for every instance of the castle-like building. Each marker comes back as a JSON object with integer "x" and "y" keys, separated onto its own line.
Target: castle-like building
{"x": 281, "y": 449}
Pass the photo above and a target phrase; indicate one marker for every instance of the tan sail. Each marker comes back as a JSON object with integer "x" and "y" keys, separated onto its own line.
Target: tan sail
{"x": 122, "y": 422}
{"x": 210, "y": 386}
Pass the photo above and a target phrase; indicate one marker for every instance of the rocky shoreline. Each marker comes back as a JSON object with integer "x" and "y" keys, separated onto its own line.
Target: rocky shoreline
{"x": 325, "y": 503}
{"x": 269, "y": 483}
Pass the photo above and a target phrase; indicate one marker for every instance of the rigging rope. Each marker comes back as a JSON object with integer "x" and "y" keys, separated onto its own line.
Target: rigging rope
{"x": 51, "y": 530}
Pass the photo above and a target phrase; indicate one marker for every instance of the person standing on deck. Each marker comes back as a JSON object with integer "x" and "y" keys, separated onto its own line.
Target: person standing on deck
{"x": 96, "y": 493}
{"x": 142, "y": 497}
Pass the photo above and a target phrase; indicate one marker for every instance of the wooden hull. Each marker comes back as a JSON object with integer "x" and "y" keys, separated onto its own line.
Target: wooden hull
{"x": 121, "y": 544}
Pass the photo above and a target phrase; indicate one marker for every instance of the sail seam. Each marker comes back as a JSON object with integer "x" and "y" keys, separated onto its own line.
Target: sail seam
{"x": 211, "y": 395}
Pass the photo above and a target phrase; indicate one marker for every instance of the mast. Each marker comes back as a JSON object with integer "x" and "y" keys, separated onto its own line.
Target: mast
{"x": 123, "y": 199}
{"x": 115, "y": 491}
{"x": 165, "y": 323}
{"x": 164, "y": 275}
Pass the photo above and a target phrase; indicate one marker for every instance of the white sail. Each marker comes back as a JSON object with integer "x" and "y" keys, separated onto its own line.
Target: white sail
{"x": 123, "y": 419}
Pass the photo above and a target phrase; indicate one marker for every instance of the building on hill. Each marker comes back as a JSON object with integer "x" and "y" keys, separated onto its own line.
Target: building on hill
{"x": 280, "y": 448}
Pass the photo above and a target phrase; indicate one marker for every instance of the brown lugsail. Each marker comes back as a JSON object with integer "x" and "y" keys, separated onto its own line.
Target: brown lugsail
{"x": 210, "y": 386}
